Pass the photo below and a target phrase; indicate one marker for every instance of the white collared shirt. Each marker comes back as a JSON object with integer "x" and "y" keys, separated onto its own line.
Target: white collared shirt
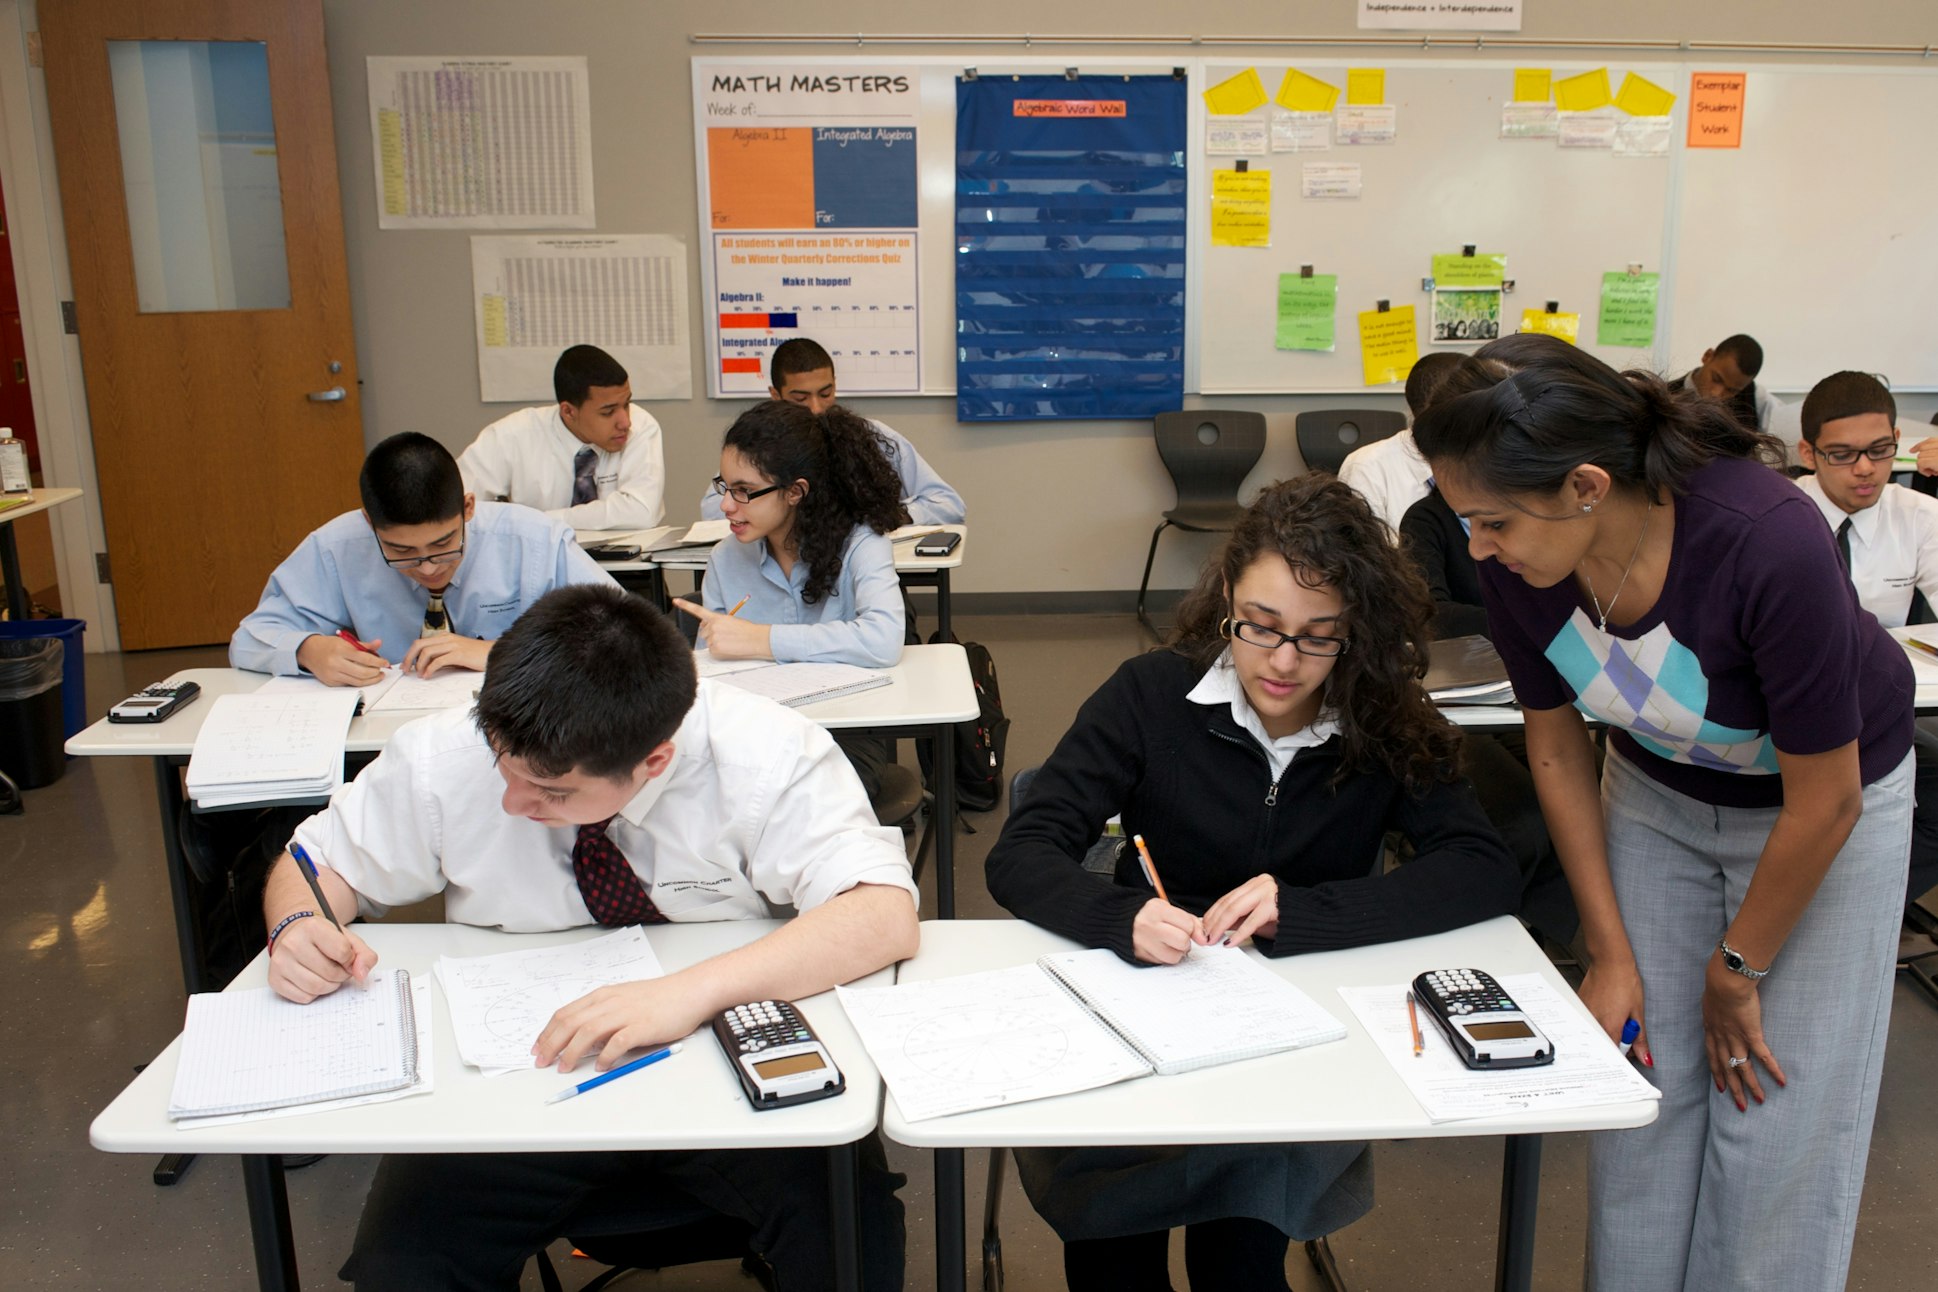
{"x": 1220, "y": 685}
{"x": 1894, "y": 548}
{"x": 527, "y": 458}
{"x": 759, "y": 815}
{"x": 1390, "y": 474}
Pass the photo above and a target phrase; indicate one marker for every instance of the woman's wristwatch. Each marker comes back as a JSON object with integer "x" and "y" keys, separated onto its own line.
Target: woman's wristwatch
{"x": 1734, "y": 962}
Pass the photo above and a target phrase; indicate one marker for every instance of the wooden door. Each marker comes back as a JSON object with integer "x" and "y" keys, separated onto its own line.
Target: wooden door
{"x": 223, "y": 398}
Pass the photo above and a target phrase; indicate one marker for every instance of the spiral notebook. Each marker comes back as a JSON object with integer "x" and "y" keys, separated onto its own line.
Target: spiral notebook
{"x": 1075, "y": 1021}
{"x": 247, "y": 1051}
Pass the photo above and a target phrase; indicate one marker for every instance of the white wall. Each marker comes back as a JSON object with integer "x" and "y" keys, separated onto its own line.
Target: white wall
{"x": 1055, "y": 507}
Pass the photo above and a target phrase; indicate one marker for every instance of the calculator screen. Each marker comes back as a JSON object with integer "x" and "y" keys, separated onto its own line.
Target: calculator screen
{"x": 142, "y": 704}
{"x": 788, "y": 1066}
{"x": 1499, "y": 1031}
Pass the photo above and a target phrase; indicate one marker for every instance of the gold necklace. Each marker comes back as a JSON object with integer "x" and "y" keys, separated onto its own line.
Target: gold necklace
{"x": 1601, "y": 614}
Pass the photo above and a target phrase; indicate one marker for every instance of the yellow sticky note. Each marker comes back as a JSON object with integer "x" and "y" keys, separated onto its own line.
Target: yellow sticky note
{"x": 1241, "y": 208}
{"x": 1236, "y": 94}
{"x": 1299, "y": 92}
{"x": 1388, "y": 344}
{"x": 1532, "y": 84}
{"x": 1365, "y": 86}
{"x": 1565, "y": 326}
{"x": 1582, "y": 93}
{"x": 1641, "y": 97}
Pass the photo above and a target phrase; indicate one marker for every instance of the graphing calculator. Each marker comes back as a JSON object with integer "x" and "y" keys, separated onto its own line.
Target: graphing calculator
{"x": 155, "y": 703}
{"x": 1481, "y": 1021}
{"x": 776, "y": 1055}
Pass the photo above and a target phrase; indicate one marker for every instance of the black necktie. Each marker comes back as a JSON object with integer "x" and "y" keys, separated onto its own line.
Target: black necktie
{"x": 584, "y": 487}
{"x": 1844, "y": 545}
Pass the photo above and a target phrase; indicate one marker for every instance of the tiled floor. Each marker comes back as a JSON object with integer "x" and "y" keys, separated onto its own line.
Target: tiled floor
{"x": 88, "y": 952}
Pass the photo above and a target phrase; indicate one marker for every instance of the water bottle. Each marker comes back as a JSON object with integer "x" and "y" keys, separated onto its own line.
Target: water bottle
{"x": 13, "y": 464}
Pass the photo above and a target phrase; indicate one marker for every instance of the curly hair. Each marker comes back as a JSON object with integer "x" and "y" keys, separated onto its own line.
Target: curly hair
{"x": 850, "y": 476}
{"x": 1330, "y": 537}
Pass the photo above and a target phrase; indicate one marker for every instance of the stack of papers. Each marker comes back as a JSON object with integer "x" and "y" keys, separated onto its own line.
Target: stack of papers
{"x": 703, "y": 533}
{"x": 396, "y": 691}
{"x": 1467, "y": 670}
{"x": 266, "y": 748}
{"x": 1920, "y": 642}
{"x": 500, "y": 1003}
{"x": 1587, "y": 1071}
{"x": 798, "y": 684}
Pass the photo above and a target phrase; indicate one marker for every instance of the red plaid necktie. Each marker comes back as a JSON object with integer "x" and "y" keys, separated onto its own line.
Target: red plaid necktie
{"x": 611, "y": 889}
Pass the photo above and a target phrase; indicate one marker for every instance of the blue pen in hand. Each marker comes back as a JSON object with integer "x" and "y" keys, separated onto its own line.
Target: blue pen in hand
{"x": 1630, "y": 1030}
{"x": 308, "y": 867}
{"x": 620, "y": 1071}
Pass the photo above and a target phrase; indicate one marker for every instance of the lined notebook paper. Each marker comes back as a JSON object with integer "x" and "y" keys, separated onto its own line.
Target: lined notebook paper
{"x": 244, "y": 1051}
{"x": 798, "y": 684}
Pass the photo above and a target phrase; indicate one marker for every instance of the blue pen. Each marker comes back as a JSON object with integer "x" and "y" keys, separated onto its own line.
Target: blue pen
{"x": 308, "y": 867}
{"x": 1630, "y": 1030}
{"x": 620, "y": 1071}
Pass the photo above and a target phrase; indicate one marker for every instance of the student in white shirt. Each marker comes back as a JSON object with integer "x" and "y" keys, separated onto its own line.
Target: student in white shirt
{"x": 592, "y": 460}
{"x": 597, "y": 783}
{"x": 802, "y": 372}
{"x": 1888, "y": 536}
{"x": 1390, "y": 473}
{"x": 1727, "y": 374}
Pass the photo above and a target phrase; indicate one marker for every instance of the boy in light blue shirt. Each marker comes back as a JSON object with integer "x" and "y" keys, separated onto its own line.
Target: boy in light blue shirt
{"x": 424, "y": 576}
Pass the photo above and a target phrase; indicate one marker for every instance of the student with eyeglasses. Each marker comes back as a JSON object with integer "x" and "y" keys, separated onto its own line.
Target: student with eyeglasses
{"x": 808, "y": 575}
{"x": 1740, "y": 866}
{"x": 1263, "y": 753}
{"x": 424, "y": 576}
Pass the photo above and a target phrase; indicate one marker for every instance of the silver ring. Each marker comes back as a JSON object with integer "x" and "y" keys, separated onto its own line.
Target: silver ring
{"x": 1737, "y": 1063}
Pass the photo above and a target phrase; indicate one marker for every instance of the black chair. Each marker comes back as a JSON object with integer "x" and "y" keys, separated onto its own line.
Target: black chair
{"x": 1329, "y": 434}
{"x": 1208, "y": 453}
{"x": 609, "y": 1229}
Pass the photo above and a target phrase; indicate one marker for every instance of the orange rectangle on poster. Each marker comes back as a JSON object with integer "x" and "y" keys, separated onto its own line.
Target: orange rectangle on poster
{"x": 743, "y": 320}
{"x": 740, "y": 365}
{"x": 761, "y": 178}
{"x": 1716, "y": 109}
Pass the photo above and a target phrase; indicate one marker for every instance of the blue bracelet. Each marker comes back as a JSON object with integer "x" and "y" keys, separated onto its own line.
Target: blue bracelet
{"x": 284, "y": 923}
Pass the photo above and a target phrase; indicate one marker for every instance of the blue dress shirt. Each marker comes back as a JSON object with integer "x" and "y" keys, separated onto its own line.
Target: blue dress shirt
{"x": 860, "y": 621}
{"x": 928, "y": 497}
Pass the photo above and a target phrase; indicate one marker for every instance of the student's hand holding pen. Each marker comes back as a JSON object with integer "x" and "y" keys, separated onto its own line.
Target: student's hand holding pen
{"x": 312, "y": 957}
{"x": 729, "y": 637}
{"x": 1251, "y": 909}
{"x": 335, "y": 661}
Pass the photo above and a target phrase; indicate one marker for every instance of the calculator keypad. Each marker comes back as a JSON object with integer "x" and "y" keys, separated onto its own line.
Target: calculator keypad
{"x": 762, "y": 1023}
{"x": 1469, "y": 991}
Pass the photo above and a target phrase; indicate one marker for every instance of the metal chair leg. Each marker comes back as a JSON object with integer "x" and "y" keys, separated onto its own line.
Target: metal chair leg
{"x": 1144, "y": 584}
{"x": 992, "y": 1238}
{"x": 1319, "y": 1252}
{"x": 1920, "y": 967}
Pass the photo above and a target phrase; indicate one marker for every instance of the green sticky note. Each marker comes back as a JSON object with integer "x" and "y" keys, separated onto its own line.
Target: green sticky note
{"x": 1628, "y": 310}
{"x": 1489, "y": 269}
{"x": 1306, "y": 308}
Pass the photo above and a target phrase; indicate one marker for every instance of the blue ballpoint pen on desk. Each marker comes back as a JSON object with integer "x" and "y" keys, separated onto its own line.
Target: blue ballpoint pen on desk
{"x": 308, "y": 867}
{"x": 620, "y": 1071}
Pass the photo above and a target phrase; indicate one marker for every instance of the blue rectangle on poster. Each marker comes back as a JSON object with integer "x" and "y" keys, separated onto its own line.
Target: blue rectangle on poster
{"x": 864, "y": 177}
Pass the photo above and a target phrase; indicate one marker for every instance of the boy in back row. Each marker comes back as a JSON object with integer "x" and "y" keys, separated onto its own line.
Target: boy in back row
{"x": 424, "y": 576}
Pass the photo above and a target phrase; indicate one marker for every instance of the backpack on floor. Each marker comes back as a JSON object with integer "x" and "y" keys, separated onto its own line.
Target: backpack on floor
{"x": 981, "y": 740}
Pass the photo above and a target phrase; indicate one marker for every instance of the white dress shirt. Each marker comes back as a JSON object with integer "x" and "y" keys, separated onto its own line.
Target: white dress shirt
{"x": 1894, "y": 548}
{"x": 758, "y": 816}
{"x": 527, "y": 458}
{"x": 1390, "y": 474}
{"x": 1220, "y": 685}
{"x": 928, "y": 497}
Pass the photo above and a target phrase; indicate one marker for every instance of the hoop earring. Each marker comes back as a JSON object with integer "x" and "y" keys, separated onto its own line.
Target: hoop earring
{"x": 1224, "y": 628}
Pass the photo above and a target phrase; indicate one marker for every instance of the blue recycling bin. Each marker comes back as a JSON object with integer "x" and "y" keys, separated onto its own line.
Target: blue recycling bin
{"x": 73, "y": 666}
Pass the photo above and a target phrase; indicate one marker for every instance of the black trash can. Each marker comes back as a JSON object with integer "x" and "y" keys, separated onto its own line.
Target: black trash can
{"x": 31, "y": 733}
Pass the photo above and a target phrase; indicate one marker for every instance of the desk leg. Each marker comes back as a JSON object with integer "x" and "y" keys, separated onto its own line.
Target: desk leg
{"x": 1520, "y": 1194}
{"x": 18, "y": 605}
{"x": 944, "y": 740}
{"x": 949, "y": 1264}
{"x": 845, "y": 1215}
{"x": 943, "y": 621}
{"x": 262, "y": 1180}
{"x": 188, "y": 939}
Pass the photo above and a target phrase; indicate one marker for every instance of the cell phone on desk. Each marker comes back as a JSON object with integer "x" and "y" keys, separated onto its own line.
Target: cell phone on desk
{"x": 1481, "y": 1021}
{"x": 940, "y": 543}
{"x": 155, "y": 703}
{"x": 609, "y": 552}
{"x": 776, "y": 1055}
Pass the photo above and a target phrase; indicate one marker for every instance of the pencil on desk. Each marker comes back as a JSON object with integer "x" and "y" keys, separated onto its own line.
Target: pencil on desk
{"x": 1413, "y": 1021}
{"x": 1150, "y": 867}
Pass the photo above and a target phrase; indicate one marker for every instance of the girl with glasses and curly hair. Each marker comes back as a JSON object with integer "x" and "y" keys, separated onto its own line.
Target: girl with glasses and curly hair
{"x": 1264, "y": 753}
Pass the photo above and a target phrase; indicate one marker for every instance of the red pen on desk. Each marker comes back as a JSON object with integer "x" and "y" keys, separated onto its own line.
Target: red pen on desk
{"x": 351, "y": 637}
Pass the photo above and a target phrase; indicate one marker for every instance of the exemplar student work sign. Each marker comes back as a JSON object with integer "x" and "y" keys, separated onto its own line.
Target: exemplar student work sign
{"x": 808, "y": 180}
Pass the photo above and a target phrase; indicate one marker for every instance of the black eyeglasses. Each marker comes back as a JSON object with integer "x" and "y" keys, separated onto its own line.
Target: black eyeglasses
{"x": 740, "y": 493}
{"x": 1843, "y": 455}
{"x": 451, "y": 557}
{"x": 1271, "y": 639}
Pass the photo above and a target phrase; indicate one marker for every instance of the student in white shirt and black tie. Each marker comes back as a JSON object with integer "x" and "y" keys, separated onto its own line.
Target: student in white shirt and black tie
{"x": 1888, "y": 536}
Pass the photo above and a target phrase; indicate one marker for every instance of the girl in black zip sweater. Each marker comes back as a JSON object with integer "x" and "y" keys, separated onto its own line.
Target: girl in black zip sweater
{"x": 1263, "y": 753}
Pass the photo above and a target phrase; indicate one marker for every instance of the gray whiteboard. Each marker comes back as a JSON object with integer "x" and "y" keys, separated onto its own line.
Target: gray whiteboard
{"x": 1562, "y": 216}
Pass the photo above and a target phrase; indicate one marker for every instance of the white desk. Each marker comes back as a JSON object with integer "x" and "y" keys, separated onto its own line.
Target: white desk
{"x": 1342, "y": 1091}
{"x": 467, "y": 1113}
{"x": 18, "y": 607}
{"x": 929, "y": 691}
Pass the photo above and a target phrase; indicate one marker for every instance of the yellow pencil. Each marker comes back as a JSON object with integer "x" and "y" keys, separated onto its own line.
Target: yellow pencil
{"x": 1150, "y": 867}
{"x": 737, "y": 605}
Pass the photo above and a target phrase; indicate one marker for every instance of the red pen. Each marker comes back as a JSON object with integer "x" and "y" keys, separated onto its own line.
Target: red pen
{"x": 351, "y": 637}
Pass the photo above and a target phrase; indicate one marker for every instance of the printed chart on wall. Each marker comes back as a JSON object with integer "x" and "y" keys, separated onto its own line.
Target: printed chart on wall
{"x": 481, "y": 143}
{"x": 808, "y": 197}
{"x": 535, "y": 295}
